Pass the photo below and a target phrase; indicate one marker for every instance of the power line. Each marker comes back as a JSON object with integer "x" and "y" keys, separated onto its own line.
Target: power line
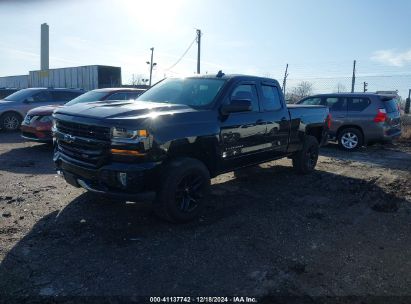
{"x": 182, "y": 56}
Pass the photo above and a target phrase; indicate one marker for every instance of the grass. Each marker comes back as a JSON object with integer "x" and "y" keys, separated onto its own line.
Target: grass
{"x": 406, "y": 133}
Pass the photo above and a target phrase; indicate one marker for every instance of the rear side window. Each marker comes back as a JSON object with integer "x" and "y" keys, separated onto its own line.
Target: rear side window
{"x": 43, "y": 96}
{"x": 357, "y": 104}
{"x": 336, "y": 103}
{"x": 391, "y": 105}
{"x": 246, "y": 91}
{"x": 271, "y": 98}
{"x": 315, "y": 101}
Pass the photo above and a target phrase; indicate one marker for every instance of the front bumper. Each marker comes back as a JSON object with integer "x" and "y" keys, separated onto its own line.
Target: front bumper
{"x": 37, "y": 133}
{"x": 123, "y": 181}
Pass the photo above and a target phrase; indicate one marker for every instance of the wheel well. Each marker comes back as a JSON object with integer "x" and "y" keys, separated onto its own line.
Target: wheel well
{"x": 199, "y": 151}
{"x": 317, "y": 132}
{"x": 350, "y": 127}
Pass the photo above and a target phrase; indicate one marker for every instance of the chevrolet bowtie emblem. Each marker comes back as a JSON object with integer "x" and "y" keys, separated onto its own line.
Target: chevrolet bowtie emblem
{"x": 69, "y": 138}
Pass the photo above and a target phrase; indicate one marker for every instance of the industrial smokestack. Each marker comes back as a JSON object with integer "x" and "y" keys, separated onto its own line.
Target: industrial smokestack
{"x": 44, "y": 48}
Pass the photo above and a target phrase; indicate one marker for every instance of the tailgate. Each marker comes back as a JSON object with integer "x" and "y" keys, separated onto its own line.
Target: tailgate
{"x": 393, "y": 112}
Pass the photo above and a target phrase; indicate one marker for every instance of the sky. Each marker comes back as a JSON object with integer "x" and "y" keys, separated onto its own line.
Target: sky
{"x": 317, "y": 38}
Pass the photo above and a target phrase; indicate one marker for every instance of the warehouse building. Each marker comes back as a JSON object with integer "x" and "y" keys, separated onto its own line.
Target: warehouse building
{"x": 84, "y": 77}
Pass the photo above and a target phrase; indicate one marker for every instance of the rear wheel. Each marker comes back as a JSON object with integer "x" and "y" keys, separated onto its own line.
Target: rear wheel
{"x": 10, "y": 121}
{"x": 306, "y": 159}
{"x": 350, "y": 139}
{"x": 181, "y": 196}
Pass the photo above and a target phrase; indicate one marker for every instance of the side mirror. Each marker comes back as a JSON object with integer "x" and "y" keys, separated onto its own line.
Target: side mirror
{"x": 236, "y": 105}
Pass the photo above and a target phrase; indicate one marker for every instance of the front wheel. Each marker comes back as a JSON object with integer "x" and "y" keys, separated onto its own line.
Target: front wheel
{"x": 10, "y": 121}
{"x": 185, "y": 184}
{"x": 305, "y": 160}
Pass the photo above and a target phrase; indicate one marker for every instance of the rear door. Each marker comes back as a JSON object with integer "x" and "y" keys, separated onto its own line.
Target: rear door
{"x": 357, "y": 113}
{"x": 276, "y": 118}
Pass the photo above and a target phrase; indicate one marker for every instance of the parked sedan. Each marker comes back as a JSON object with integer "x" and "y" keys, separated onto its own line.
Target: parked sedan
{"x": 15, "y": 106}
{"x": 38, "y": 121}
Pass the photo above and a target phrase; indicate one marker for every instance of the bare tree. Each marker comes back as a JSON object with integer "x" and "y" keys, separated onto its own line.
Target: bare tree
{"x": 303, "y": 89}
{"x": 138, "y": 79}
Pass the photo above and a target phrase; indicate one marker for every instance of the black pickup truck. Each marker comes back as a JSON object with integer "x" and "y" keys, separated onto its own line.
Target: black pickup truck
{"x": 166, "y": 145}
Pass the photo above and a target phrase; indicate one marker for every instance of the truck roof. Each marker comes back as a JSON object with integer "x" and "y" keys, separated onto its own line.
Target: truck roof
{"x": 231, "y": 76}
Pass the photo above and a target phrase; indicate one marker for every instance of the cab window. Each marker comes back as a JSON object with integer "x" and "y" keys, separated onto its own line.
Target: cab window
{"x": 246, "y": 91}
{"x": 271, "y": 98}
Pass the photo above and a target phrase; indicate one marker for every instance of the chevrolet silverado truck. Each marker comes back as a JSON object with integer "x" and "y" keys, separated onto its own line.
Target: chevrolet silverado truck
{"x": 166, "y": 145}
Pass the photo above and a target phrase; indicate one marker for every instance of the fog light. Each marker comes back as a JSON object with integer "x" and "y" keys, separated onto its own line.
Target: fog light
{"x": 122, "y": 178}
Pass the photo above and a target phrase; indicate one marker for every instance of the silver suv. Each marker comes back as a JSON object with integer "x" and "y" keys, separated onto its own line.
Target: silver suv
{"x": 15, "y": 106}
{"x": 360, "y": 118}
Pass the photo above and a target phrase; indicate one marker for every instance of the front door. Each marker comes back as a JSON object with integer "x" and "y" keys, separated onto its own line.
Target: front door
{"x": 242, "y": 134}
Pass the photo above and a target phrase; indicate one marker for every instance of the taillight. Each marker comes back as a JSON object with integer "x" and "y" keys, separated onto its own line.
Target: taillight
{"x": 328, "y": 121}
{"x": 381, "y": 116}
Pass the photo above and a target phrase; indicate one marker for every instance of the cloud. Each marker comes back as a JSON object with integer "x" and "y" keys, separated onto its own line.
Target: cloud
{"x": 392, "y": 57}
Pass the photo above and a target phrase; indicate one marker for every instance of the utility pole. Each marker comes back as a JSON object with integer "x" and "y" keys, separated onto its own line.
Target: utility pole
{"x": 285, "y": 78}
{"x": 365, "y": 86}
{"x": 152, "y": 64}
{"x": 408, "y": 103}
{"x": 198, "y": 50}
{"x": 353, "y": 77}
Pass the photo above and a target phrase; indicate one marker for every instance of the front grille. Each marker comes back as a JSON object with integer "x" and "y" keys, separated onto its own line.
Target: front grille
{"x": 86, "y": 131}
{"x": 86, "y": 144}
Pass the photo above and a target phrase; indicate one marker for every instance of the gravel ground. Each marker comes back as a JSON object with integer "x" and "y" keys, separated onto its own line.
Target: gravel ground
{"x": 343, "y": 230}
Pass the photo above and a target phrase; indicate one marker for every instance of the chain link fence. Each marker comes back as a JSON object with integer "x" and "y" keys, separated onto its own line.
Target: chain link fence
{"x": 297, "y": 88}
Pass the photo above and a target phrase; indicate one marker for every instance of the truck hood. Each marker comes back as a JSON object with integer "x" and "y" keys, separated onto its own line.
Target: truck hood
{"x": 123, "y": 109}
{"x": 43, "y": 111}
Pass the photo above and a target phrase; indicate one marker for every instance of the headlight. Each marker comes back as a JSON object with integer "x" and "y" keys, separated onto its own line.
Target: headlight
{"x": 122, "y": 133}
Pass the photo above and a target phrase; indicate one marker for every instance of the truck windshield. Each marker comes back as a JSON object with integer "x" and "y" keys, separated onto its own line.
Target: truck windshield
{"x": 195, "y": 92}
{"x": 87, "y": 97}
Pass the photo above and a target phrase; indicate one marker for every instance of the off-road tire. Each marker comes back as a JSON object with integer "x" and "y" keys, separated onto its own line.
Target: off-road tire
{"x": 179, "y": 181}
{"x": 304, "y": 161}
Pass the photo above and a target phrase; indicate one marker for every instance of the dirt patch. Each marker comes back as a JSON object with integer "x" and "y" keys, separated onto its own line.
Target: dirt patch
{"x": 343, "y": 230}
